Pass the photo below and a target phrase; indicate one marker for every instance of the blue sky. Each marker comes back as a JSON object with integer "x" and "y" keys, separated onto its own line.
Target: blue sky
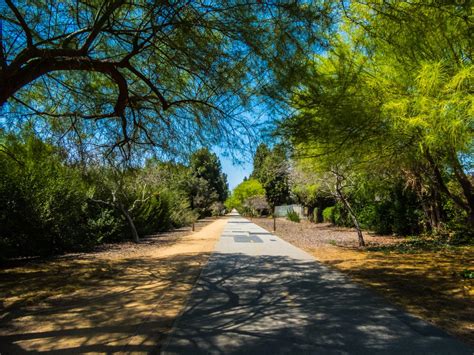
{"x": 235, "y": 172}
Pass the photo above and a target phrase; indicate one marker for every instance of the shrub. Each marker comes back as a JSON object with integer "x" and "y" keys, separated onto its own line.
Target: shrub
{"x": 46, "y": 207}
{"x": 328, "y": 214}
{"x": 293, "y": 216}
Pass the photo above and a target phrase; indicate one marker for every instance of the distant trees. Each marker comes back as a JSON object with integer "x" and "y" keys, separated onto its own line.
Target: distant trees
{"x": 271, "y": 169}
{"x": 51, "y": 205}
{"x": 207, "y": 184}
{"x": 247, "y": 191}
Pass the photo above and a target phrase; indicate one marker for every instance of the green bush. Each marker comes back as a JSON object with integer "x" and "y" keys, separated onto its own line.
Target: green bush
{"x": 46, "y": 207}
{"x": 399, "y": 212}
{"x": 337, "y": 215}
{"x": 293, "y": 216}
{"x": 50, "y": 207}
{"x": 328, "y": 214}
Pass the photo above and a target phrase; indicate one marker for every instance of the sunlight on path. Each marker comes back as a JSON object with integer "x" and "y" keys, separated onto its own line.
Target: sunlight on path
{"x": 261, "y": 295}
{"x": 108, "y": 304}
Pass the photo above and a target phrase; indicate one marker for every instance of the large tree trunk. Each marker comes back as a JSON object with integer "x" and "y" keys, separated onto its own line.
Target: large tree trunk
{"x": 131, "y": 224}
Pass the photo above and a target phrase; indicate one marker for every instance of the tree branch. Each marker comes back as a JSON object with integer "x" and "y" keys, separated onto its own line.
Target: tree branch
{"x": 21, "y": 20}
{"x": 99, "y": 23}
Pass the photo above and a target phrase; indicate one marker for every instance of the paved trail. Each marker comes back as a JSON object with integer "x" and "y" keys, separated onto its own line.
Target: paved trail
{"x": 261, "y": 295}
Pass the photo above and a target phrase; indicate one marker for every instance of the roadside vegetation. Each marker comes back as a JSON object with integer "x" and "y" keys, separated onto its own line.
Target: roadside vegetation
{"x": 52, "y": 205}
{"x": 380, "y": 136}
{"x": 379, "y": 151}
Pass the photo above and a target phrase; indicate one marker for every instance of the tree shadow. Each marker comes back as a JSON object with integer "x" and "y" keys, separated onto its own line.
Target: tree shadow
{"x": 84, "y": 305}
{"x": 279, "y": 305}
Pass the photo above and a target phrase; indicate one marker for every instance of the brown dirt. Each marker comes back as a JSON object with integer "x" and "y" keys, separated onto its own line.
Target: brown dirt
{"x": 123, "y": 298}
{"x": 426, "y": 283}
{"x": 311, "y": 235}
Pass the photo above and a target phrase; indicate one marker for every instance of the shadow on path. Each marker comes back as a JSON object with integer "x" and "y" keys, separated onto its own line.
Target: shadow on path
{"x": 253, "y": 303}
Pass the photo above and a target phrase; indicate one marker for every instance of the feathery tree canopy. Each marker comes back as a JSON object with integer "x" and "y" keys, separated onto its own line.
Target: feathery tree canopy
{"x": 171, "y": 74}
{"x": 394, "y": 97}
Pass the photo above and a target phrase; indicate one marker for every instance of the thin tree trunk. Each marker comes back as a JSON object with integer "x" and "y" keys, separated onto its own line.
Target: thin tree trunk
{"x": 131, "y": 224}
{"x": 354, "y": 219}
{"x": 438, "y": 179}
{"x": 428, "y": 227}
{"x": 349, "y": 209}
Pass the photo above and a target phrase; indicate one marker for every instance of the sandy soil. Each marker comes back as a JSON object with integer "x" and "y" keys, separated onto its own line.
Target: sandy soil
{"x": 425, "y": 283}
{"x": 121, "y": 299}
{"x": 310, "y": 234}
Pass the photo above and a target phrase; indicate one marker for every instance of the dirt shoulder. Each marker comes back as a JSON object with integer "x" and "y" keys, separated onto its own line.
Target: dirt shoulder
{"x": 426, "y": 283}
{"x": 123, "y": 298}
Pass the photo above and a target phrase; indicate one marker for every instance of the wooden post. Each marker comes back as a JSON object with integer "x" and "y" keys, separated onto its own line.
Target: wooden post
{"x": 193, "y": 227}
{"x": 274, "y": 221}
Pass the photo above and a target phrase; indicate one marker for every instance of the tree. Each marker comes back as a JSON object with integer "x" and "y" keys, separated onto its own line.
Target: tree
{"x": 162, "y": 73}
{"x": 206, "y": 165}
{"x": 124, "y": 192}
{"x": 307, "y": 188}
{"x": 394, "y": 105}
{"x": 257, "y": 204}
{"x": 205, "y": 182}
{"x": 274, "y": 176}
{"x": 242, "y": 192}
{"x": 259, "y": 158}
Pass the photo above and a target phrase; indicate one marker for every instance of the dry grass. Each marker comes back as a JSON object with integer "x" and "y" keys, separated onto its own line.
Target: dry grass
{"x": 120, "y": 299}
{"x": 425, "y": 283}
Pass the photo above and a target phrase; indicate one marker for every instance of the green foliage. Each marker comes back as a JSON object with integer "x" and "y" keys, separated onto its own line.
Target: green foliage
{"x": 467, "y": 274}
{"x": 293, "y": 216}
{"x": 206, "y": 185}
{"x": 272, "y": 171}
{"x": 46, "y": 209}
{"x": 51, "y": 206}
{"x": 206, "y": 165}
{"x": 398, "y": 211}
{"x": 242, "y": 192}
{"x": 391, "y": 112}
{"x": 337, "y": 215}
{"x": 180, "y": 69}
{"x": 259, "y": 158}
{"x": 217, "y": 209}
{"x": 328, "y": 214}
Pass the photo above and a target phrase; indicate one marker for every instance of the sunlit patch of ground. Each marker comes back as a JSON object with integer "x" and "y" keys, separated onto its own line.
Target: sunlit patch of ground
{"x": 426, "y": 283}
{"x": 119, "y": 300}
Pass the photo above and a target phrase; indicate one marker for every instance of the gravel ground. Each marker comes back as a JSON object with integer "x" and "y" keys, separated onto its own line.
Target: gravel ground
{"x": 309, "y": 235}
{"x": 116, "y": 250}
{"x": 121, "y": 298}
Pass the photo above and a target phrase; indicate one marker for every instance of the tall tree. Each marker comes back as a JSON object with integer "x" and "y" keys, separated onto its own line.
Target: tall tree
{"x": 206, "y": 183}
{"x": 261, "y": 154}
{"x": 395, "y": 104}
{"x": 206, "y": 165}
{"x": 163, "y": 73}
{"x": 273, "y": 173}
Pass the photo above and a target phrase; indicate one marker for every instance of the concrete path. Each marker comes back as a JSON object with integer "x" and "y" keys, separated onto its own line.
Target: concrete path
{"x": 261, "y": 295}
